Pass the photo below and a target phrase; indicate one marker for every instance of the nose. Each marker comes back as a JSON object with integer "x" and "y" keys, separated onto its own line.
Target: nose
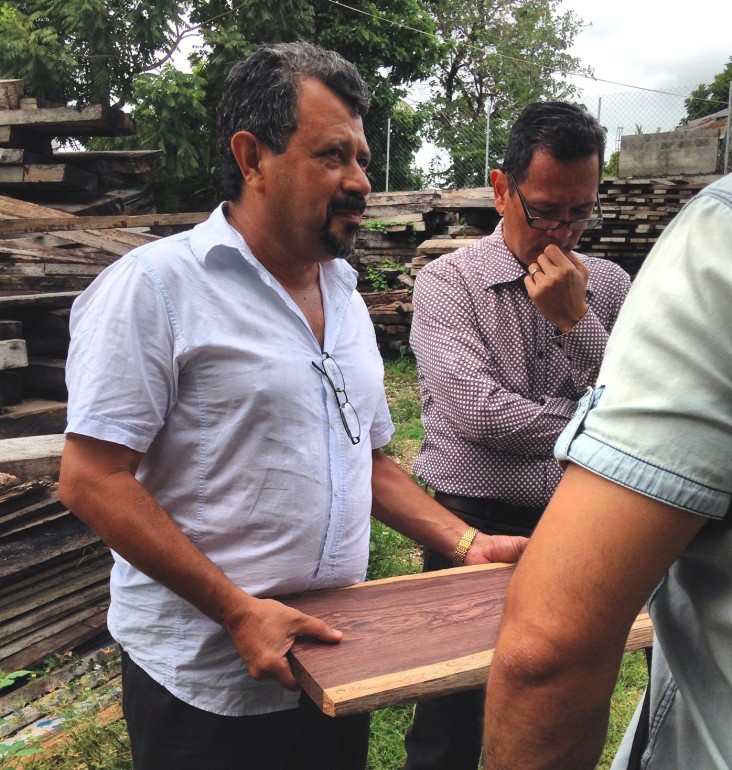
{"x": 356, "y": 180}
{"x": 561, "y": 232}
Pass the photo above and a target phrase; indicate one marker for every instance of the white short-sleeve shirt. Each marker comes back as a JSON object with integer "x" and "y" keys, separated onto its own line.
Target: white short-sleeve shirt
{"x": 189, "y": 351}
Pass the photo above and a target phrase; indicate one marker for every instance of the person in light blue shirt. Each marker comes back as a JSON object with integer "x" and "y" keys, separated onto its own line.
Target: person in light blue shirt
{"x": 225, "y": 420}
{"x": 641, "y": 515}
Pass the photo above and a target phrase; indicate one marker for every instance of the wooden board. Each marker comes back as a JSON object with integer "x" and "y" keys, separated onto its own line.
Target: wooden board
{"x": 407, "y": 638}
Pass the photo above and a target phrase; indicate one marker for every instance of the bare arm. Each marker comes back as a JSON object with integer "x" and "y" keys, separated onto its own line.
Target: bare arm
{"x": 402, "y": 504}
{"x": 98, "y": 484}
{"x": 594, "y": 559}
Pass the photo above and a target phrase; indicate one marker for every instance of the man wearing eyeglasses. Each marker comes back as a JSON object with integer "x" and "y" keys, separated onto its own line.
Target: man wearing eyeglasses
{"x": 508, "y": 333}
{"x": 226, "y": 415}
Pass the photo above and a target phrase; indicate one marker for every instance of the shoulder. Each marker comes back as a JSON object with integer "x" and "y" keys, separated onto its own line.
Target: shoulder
{"x": 464, "y": 260}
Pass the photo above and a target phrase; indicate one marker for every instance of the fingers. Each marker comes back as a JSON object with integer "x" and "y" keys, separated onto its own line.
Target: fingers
{"x": 496, "y": 548}
{"x": 266, "y": 634}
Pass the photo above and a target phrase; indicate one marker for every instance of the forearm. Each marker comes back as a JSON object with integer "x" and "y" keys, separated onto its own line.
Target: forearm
{"x": 540, "y": 718}
{"x": 97, "y": 483}
{"x": 402, "y": 504}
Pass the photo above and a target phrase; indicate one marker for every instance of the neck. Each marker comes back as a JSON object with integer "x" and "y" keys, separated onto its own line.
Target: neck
{"x": 283, "y": 263}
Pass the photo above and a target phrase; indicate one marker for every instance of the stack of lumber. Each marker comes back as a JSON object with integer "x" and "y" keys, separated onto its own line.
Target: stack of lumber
{"x": 635, "y": 213}
{"x": 54, "y": 577}
{"x": 41, "y": 273}
{"x": 80, "y": 182}
{"x": 391, "y": 314}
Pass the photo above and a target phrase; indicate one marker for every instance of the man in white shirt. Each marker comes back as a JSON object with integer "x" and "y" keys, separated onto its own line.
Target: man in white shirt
{"x": 226, "y": 411}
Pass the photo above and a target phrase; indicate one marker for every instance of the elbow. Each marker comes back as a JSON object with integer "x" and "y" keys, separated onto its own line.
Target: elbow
{"x": 528, "y": 661}
{"x": 70, "y": 485}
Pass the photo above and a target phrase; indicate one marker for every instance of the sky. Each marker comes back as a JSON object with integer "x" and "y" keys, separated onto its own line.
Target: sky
{"x": 649, "y": 44}
{"x": 652, "y": 43}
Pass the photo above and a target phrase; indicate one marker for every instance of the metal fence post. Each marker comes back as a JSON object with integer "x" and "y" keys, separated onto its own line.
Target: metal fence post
{"x": 727, "y": 130}
{"x": 488, "y": 107}
{"x": 388, "y": 149}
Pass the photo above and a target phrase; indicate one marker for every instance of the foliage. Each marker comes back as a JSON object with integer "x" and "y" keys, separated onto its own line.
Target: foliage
{"x": 612, "y": 167}
{"x": 91, "y": 741}
{"x": 499, "y": 56}
{"x": 387, "y": 62}
{"x": 84, "y": 51}
{"x": 8, "y": 680}
{"x": 708, "y": 99}
{"x": 17, "y": 749}
{"x": 379, "y": 276}
{"x": 170, "y": 110}
{"x": 632, "y": 679}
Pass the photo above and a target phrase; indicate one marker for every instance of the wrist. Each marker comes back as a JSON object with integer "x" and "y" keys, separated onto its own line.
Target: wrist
{"x": 463, "y": 546}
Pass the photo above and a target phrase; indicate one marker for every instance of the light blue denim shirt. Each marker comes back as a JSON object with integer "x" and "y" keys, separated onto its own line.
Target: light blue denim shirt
{"x": 660, "y": 423}
{"x": 189, "y": 351}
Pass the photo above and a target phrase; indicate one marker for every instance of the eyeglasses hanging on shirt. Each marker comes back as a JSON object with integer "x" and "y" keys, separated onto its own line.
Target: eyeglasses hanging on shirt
{"x": 333, "y": 374}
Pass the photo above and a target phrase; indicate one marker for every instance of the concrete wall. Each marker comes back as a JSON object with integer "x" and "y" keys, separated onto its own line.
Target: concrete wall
{"x": 670, "y": 153}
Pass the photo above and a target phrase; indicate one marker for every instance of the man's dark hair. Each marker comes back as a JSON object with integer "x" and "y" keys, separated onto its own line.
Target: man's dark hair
{"x": 564, "y": 130}
{"x": 261, "y": 95}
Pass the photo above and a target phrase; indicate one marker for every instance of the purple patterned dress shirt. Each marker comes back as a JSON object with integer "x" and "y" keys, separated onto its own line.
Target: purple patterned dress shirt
{"x": 498, "y": 381}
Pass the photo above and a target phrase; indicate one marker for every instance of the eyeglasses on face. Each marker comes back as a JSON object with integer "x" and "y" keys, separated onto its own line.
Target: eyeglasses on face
{"x": 333, "y": 374}
{"x": 544, "y": 223}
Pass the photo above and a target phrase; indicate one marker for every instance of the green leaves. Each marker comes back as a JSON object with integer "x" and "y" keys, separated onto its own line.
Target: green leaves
{"x": 708, "y": 99}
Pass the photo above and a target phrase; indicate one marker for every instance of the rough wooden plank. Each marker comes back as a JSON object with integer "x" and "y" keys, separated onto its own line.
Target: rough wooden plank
{"x": 13, "y": 354}
{"x": 58, "y": 175}
{"x": 94, "y": 120}
{"x": 11, "y": 92}
{"x": 64, "y": 223}
{"x": 439, "y": 246}
{"x": 74, "y": 630}
{"x": 115, "y": 241}
{"x": 10, "y": 305}
{"x": 440, "y": 629}
{"x": 114, "y": 161}
{"x": 34, "y": 551}
{"x": 32, "y": 457}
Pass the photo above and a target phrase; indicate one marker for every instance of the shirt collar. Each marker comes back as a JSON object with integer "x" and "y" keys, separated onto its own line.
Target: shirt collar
{"x": 502, "y": 266}
{"x": 216, "y": 233}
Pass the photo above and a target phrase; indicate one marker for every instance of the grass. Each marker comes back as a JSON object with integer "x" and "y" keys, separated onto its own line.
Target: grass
{"x": 99, "y": 741}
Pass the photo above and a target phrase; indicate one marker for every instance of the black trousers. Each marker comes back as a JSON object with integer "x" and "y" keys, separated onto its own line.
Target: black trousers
{"x": 168, "y": 734}
{"x": 447, "y": 732}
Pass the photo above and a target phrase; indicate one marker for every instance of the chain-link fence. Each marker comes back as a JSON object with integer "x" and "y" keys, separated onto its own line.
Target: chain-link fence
{"x": 414, "y": 151}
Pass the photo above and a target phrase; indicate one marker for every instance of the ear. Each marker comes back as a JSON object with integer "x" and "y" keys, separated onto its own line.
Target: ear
{"x": 500, "y": 189}
{"x": 248, "y": 152}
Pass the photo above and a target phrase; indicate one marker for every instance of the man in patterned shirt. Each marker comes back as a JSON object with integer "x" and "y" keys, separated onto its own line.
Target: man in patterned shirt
{"x": 508, "y": 333}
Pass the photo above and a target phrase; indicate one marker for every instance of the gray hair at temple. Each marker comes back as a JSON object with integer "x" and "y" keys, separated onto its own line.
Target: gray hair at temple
{"x": 565, "y": 131}
{"x": 261, "y": 95}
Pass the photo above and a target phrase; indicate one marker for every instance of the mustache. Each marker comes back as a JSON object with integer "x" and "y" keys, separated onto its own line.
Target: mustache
{"x": 348, "y": 202}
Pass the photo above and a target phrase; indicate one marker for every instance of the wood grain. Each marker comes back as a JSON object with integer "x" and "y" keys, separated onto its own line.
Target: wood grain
{"x": 408, "y": 638}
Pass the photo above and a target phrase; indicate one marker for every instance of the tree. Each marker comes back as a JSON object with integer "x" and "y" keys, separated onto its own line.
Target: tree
{"x": 501, "y": 55}
{"x": 363, "y": 32}
{"x": 708, "y": 99}
{"x": 84, "y": 51}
